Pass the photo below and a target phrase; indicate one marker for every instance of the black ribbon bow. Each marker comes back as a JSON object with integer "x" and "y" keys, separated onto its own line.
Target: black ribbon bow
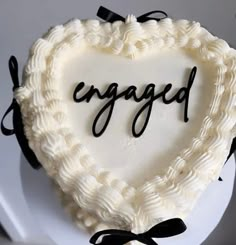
{"x": 111, "y": 16}
{"x": 168, "y": 228}
{"x": 18, "y": 128}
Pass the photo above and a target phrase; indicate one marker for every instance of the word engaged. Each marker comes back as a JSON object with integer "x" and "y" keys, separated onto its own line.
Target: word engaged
{"x": 148, "y": 95}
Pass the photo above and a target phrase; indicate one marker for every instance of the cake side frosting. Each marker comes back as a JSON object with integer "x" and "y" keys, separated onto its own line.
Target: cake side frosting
{"x": 103, "y": 198}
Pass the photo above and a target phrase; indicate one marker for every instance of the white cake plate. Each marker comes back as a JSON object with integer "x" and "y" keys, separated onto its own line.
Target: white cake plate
{"x": 47, "y": 211}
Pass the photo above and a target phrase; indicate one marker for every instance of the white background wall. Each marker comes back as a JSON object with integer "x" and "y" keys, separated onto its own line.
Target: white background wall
{"x": 22, "y": 22}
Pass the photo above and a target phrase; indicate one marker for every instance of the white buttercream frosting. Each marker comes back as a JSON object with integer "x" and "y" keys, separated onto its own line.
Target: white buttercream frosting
{"x": 93, "y": 195}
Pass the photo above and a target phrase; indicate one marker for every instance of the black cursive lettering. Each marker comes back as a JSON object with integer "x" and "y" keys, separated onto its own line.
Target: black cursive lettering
{"x": 148, "y": 94}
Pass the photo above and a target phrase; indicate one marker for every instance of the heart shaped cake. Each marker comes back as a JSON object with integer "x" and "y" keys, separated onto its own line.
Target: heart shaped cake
{"x": 131, "y": 120}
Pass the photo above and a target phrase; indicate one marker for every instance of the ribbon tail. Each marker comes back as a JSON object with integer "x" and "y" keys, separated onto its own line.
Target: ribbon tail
{"x": 232, "y": 149}
{"x": 146, "y": 17}
{"x": 109, "y": 15}
{"x": 7, "y": 131}
{"x": 13, "y": 68}
{"x": 231, "y": 152}
{"x": 167, "y": 228}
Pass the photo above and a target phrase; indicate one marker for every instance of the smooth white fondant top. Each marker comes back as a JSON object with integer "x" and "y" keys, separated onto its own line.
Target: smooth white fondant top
{"x": 129, "y": 158}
